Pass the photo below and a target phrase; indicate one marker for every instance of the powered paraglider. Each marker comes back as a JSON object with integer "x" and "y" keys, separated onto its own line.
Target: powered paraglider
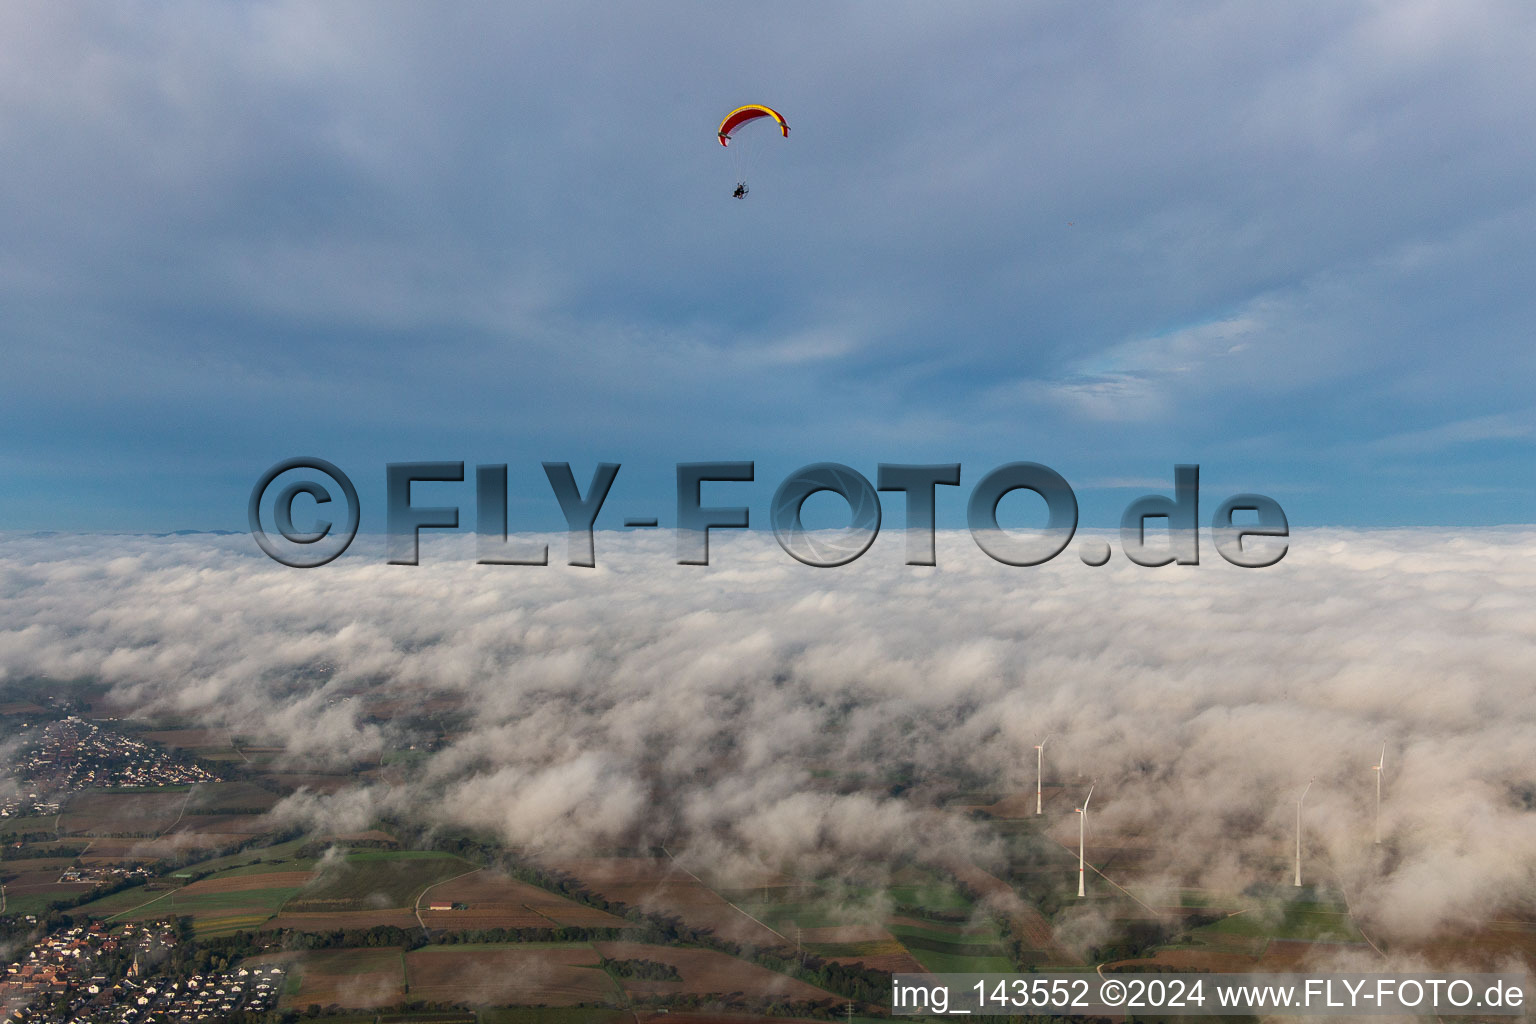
{"x": 730, "y": 132}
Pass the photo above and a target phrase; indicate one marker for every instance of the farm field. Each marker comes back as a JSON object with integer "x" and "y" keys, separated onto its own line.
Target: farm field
{"x": 365, "y": 880}
{"x": 1277, "y": 919}
{"x": 125, "y": 900}
{"x": 358, "y": 978}
{"x": 227, "y": 903}
{"x": 233, "y": 798}
{"x": 36, "y": 874}
{"x": 213, "y": 828}
{"x": 554, "y": 1015}
{"x": 707, "y": 972}
{"x": 495, "y": 900}
{"x": 319, "y": 782}
{"x": 280, "y": 892}
{"x": 369, "y": 837}
{"x": 122, "y": 848}
{"x": 870, "y": 945}
{"x": 109, "y": 813}
{"x": 27, "y": 824}
{"x": 948, "y": 916}
{"x": 255, "y": 856}
{"x": 1489, "y": 946}
{"x": 557, "y": 975}
{"x": 325, "y": 921}
{"x": 944, "y": 950}
{"x": 209, "y": 743}
{"x": 656, "y": 884}
{"x": 932, "y": 927}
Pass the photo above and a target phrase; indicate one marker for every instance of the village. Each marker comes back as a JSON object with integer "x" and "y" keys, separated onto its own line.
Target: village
{"x": 71, "y": 754}
{"x": 68, "y": 977}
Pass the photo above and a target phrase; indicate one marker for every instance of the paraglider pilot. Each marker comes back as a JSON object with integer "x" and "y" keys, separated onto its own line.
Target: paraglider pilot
{"x": 741, "y": 190}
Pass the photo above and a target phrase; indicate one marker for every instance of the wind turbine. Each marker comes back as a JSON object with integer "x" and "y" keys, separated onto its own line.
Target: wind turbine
{"x": 1378, "y": 768}
{"x": 1298, "y": 827}
{"x": 1039, "y": 771}
{"x": 1082, "y": 832}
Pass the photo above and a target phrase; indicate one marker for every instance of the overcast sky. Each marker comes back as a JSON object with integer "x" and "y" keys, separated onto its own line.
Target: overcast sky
{"x": 1291, "y": 243}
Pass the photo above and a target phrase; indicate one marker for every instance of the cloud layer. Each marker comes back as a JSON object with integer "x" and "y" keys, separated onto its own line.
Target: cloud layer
{"x": 701, "y": 708}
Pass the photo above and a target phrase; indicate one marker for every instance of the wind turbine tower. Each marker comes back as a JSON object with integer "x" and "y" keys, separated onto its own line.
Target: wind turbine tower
{"x": 1298, "y": 828}
{"x": 1082, "y": 833}
{"x": 1379, "y": 767}
{"x": 1039, "y": 771}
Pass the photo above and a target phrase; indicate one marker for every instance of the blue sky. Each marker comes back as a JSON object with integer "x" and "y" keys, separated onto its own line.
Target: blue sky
{"x": 1289, "y": 243}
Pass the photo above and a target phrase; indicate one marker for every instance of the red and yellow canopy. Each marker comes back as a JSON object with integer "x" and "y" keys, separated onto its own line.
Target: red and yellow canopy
{"x": 751, "y": 112}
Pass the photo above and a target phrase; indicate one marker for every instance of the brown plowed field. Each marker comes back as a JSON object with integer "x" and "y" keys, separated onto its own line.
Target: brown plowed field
{"x": 1292, "y": 954}
{"x": 233, "y": 826}
{"x": 562, "y": 976}
{"x": 870, "y": 945}
{"x": 495, "y": 900}
{"x": 361, "y": 978}
{"x": 1485, "y": 948}
{"x": 848, "y": 933}
{"x": 320, "y": 783}
{"x": 103, "y": 813}
{"x": 895, "y": 963}
{"x": 575, "y": 915}
{"x": 508, "y": 916}
{"x": 33, "y": 871}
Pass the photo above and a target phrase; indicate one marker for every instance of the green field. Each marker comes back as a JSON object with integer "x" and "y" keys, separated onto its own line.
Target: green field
{"x": 1310, "y": 922}
{"x": 207, "y": 904}
{"x": 377, "y": 879}
{"x": 24, "y": 825}
{"x": 362, "y": 880}
{"x": 31, "y": 903}
{"x": 936, "y": 895}
{"x": 252, "y": 855}
{"x": 257, "y": 868}
{"x": 119, "y": 902}
{"x": 953, "y": 951}
{"x": 214, "y": 913}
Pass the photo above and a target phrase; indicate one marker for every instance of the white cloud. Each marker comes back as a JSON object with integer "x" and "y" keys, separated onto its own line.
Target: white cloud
{"x": 646, "y": 702}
